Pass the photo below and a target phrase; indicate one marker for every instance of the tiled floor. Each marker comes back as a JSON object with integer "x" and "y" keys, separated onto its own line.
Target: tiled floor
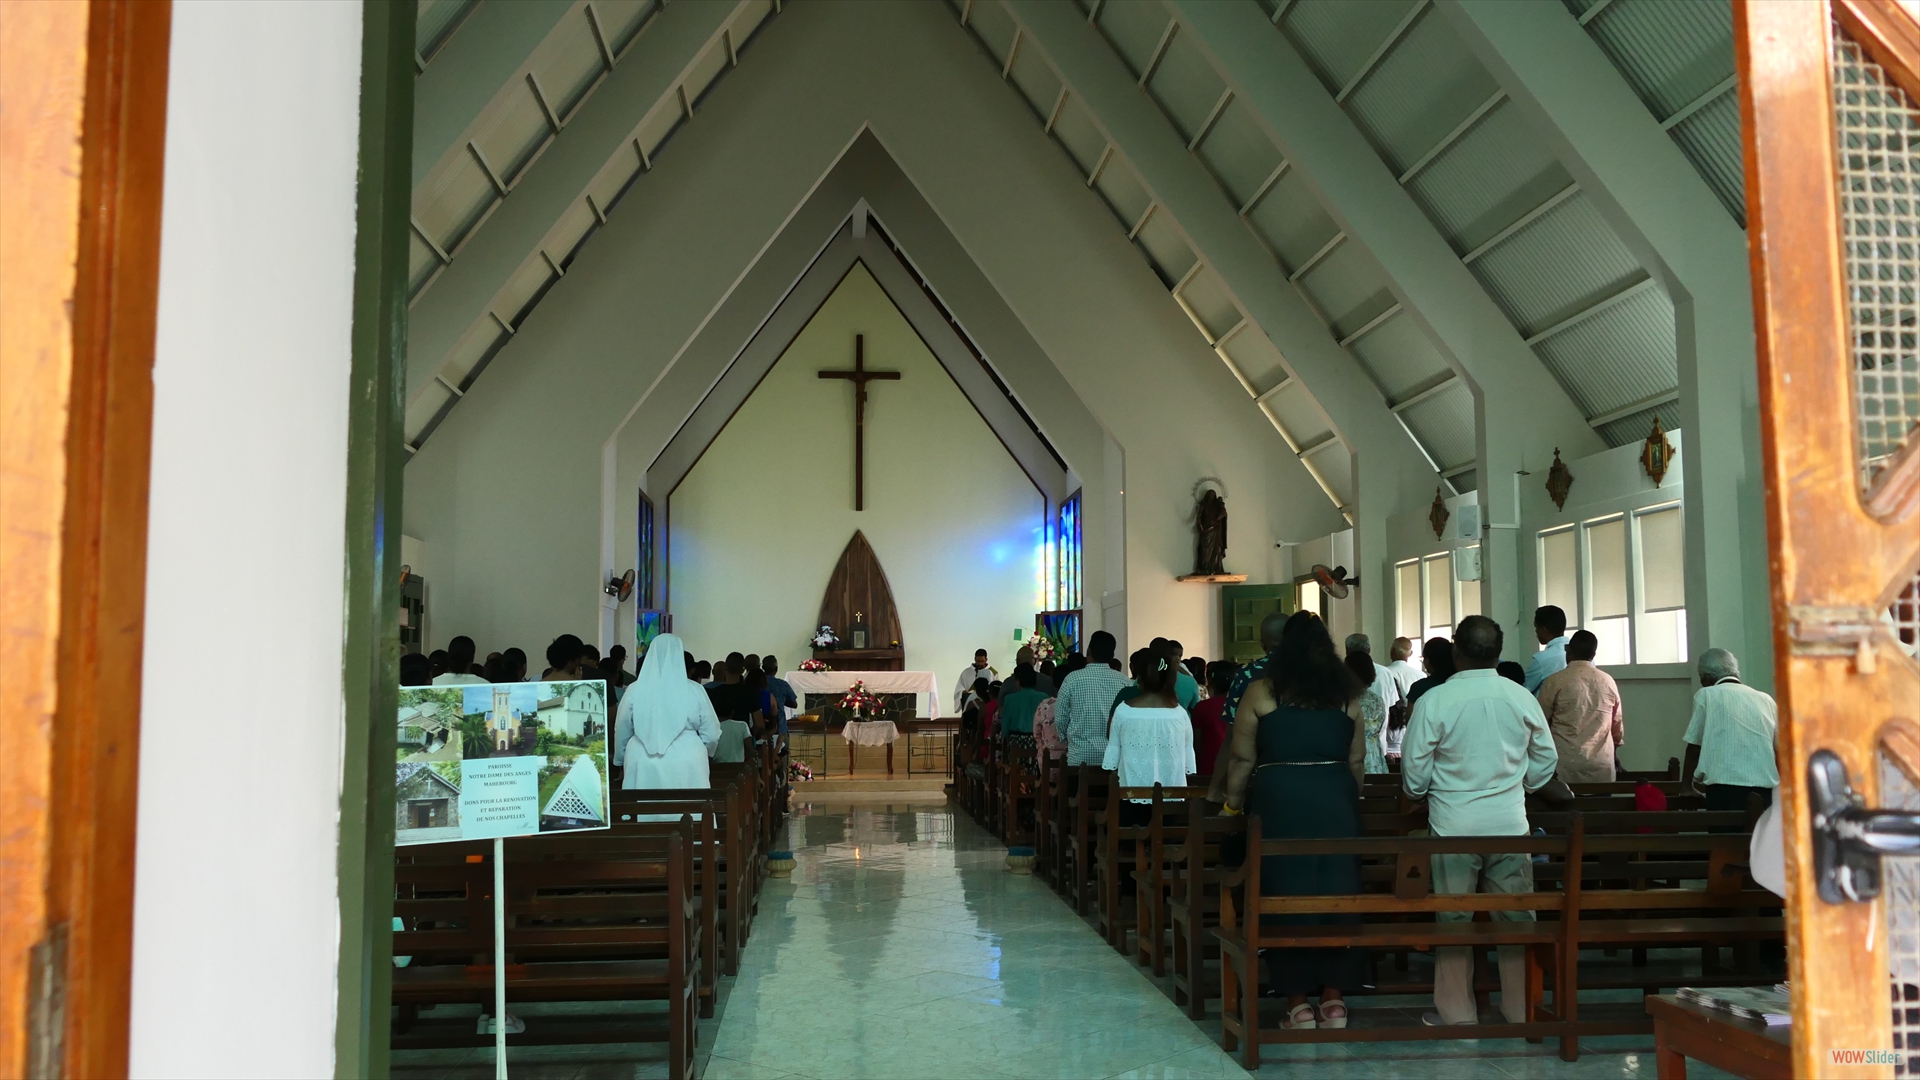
{"x": 902, "y": 948}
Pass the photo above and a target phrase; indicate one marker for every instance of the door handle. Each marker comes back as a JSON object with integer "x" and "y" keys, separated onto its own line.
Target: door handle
{"x": 1848, "y": 839}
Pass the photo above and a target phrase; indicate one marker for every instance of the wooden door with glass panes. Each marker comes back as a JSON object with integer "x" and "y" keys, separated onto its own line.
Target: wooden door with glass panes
{"x": 1829, "y": 98}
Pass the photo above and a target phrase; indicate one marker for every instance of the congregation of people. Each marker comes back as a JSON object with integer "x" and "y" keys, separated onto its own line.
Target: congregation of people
{"x": 669, "y": 719}
{"x": 1290, "y": 737}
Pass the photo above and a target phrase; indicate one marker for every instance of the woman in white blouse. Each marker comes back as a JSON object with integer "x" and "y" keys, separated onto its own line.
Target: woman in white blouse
{"x": 1150, "y": 738}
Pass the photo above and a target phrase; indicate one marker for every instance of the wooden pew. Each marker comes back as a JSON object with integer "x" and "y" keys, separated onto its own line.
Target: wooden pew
{"x": 1578, "y": 918}
{"x": 1049, "y": 807}
{"x": 1153, "y": 876}
{"x": 734, "y": 854}
{"x": 1194, "y": 863}
{"x": 1093, "y": 784}
{"x": 1117, "y": 850}
{"x": 590, "y": 917}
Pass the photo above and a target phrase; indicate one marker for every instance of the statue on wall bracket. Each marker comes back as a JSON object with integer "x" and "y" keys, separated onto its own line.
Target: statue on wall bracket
{"x": 1209, "y": 526}
{"x": 1656, "y": 457}
{"x": 1559, "y": 480}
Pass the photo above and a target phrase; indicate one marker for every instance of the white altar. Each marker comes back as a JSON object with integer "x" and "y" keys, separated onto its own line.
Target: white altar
{"x": 922, "y": 684}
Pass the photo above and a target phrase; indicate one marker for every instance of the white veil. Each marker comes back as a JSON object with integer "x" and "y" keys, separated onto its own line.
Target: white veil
{"x": 663, "y": 702}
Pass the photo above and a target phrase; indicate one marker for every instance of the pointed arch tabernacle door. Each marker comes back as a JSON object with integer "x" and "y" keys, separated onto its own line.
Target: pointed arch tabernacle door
{"x": 1831, "y": 109}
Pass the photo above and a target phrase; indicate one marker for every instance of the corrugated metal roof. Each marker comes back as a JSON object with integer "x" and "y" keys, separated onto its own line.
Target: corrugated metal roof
{"x": 1619, "y": 356}
{"x": 1711, "y": 140}
{"x": 1636, "y": 428}
{"x": 1487, "y": 180}
{"x": 1674, "y": 55}
{"x": 1557, "y": 266}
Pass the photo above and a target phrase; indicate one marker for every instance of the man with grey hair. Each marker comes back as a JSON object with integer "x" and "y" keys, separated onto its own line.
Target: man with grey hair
{"x": 1270, "y": 629}
{"x": 1730, "y": 739}
{"x": 1384, "y": 684}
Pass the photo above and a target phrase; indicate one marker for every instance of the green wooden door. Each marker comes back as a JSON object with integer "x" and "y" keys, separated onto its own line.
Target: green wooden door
{"x": 1241, "y": 609}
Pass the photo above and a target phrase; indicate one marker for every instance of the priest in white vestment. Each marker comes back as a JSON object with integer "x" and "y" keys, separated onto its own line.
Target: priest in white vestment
{"x": 979, "y": 670}
{"x": 666, "y": 729}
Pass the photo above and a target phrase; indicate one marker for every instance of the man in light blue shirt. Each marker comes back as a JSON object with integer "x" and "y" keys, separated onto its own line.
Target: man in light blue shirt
{"x": 1475, "y": 746}
{"x": 1550, "y": 626}
{"x": 1085, "y": 699}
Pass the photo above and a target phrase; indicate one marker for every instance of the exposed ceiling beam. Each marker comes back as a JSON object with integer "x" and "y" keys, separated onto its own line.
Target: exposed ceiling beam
{"x": 1521, "y": 398}
{"x": 494, "y": 44}
{"x": 1632, "y": 407}
{"x": 1212, "y": 224}
{"x": 646, "y": 79}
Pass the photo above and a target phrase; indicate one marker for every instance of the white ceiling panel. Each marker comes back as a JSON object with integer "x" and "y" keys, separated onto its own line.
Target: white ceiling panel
{"x": 1075, "y": 129}
{"x": 1299, "y": 415}
{"x": 1206, "y": 296}
{"x": 1254, "y": 356}
{"x": 1135, "y": 28}
{"x": 1239, "y": 153}
{"x": 1035, "y": 79}
{"x": 1292, "y": 221}
{"x": 1121, "y": 187}
{"x": 706, "y": 68}
{"x": 1401, "y": 356}
{"x": 1166, "y": 247}
{"x": 1185, "y": 85}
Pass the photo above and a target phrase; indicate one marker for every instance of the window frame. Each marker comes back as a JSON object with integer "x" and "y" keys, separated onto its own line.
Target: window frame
{"x": 1634, "y": 563}
{"x": 1455, "y": 588}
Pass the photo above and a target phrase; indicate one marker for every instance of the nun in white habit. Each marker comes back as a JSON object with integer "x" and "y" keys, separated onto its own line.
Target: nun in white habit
{"x": 666, "y": 728}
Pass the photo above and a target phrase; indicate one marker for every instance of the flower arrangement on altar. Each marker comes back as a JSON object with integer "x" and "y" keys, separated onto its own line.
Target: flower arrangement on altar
{"x": 1043, "y": 648}
{"x": 815, "y": 665}
{"x": 859, "y": 701}
{"x": 825, "y": 638}
{"x": 797, "y": 771}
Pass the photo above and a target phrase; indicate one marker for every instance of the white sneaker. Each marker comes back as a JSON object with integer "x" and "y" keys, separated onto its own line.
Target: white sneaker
{"x": 515, "y": 1025}
{"x": 1433, "y": 1019}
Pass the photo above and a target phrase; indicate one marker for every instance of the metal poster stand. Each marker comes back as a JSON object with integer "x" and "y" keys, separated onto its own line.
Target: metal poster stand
{"x": 499, "y": 959}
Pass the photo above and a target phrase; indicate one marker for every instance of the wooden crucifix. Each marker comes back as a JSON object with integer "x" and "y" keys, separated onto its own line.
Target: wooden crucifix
{"x": 860, "y": 376}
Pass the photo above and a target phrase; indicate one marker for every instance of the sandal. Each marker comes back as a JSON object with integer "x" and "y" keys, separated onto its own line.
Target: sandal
{"x": 1300, "y": 1017}
{"x": 1333, "y": 1014}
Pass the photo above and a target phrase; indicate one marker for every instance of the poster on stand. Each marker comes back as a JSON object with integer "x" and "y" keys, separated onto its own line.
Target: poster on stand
{"x": 490, "y": 760}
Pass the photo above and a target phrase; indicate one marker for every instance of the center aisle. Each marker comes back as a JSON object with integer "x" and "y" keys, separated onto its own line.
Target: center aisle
{"x": 902, "y": 947}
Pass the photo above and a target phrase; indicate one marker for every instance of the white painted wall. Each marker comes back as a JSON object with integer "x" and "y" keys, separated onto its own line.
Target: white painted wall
{"x": 236, "y": 921}
{"x": 759, "y": 523}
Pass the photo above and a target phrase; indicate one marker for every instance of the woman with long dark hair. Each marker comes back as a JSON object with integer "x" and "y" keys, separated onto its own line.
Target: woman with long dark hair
{"x": 1299, "y": 747}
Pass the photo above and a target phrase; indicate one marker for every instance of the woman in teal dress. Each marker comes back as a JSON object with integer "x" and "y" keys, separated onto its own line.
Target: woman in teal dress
{"x": 1299, "y": 747}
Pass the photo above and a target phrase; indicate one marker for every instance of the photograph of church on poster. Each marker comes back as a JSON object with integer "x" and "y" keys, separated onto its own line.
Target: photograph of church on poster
{"x": 558, "y": 728}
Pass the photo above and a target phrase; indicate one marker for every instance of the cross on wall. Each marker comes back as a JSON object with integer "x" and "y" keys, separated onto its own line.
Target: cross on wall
{"x": 860, "y": 377}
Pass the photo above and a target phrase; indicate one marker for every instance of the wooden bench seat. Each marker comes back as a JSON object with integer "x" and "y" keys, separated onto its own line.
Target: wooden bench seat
{"x": 1400, "y": 916}
{"x": 590, "y": 917}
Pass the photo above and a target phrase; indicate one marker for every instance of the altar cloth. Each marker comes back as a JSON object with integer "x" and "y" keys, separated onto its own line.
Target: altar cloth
{"x": 920, "y": 683}
{"x": 870, "y": 732}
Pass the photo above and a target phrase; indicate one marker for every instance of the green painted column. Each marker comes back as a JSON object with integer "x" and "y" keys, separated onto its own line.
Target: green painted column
{"x": 375, "y": 459}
